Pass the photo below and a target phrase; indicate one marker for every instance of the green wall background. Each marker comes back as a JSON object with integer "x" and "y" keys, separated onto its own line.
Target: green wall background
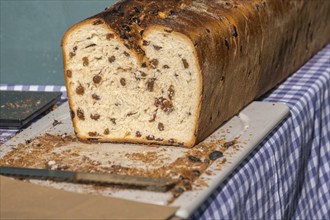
{"x": 30, "y": 37}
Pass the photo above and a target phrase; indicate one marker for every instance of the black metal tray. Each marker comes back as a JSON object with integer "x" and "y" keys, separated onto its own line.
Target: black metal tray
{"x": 18, "y": 108}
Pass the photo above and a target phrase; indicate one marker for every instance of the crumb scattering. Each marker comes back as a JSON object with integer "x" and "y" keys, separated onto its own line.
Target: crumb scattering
{"x": 64, "y": 152}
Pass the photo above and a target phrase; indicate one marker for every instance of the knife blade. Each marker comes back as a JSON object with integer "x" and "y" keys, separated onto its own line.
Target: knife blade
{"x": 136, "y": 182}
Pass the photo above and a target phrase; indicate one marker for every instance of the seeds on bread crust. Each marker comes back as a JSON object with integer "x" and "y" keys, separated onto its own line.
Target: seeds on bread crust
{"x": 227, "y": 43}
{"x": 234, "y": 31}
{"x": 168, "y": 30}
{"x": 98, "y": 22}
{"x": 145, "y": 43}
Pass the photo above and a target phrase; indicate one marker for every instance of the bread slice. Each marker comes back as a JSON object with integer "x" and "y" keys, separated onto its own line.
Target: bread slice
{"x": 117, "y": 97}
{"x": 171, "y": 72}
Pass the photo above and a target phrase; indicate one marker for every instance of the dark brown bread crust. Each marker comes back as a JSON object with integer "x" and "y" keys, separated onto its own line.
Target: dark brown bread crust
{"x": 244, "y": 48}
{"x": 130, "y": 18}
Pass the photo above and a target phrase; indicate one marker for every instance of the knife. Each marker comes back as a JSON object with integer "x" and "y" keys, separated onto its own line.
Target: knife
{"x": 136, "y": 182}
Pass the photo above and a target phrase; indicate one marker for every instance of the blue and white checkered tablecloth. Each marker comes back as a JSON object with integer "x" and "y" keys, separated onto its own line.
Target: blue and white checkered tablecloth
{"x": 288, "y": 175}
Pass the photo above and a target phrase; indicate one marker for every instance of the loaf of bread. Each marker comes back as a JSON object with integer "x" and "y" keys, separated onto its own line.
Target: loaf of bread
{"x": 172, "y": 71}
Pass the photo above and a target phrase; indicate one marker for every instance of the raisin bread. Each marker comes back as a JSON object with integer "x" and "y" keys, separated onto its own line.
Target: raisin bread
{"x": 171, "y": 72}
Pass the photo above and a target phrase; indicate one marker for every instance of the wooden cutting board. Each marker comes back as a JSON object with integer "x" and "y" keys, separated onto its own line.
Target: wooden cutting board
{"x": 50, "y": 143}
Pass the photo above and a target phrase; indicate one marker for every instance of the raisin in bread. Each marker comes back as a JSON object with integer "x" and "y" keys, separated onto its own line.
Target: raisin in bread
{"x": 171, "y": 72}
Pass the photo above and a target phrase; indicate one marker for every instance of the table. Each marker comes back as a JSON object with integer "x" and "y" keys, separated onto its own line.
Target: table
{"x": 288, "y": 174}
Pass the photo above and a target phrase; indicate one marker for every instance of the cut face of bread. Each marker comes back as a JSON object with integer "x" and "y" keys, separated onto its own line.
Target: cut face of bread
{"x": 117, "y": 95}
